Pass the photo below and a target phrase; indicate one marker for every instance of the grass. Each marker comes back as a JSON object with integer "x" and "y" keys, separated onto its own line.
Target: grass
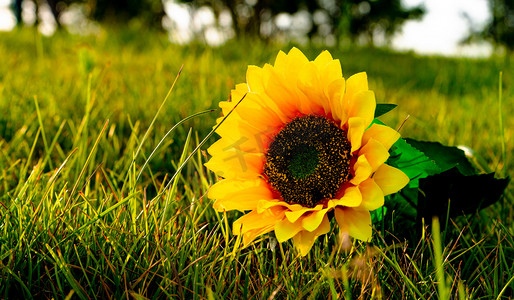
{"x": 84, "y": 212}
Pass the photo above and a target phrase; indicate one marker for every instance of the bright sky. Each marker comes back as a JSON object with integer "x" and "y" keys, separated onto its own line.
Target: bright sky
{"x": 7, "y": 20}
{"x": 439, "y": 32}
{"x": 443, "y": 26}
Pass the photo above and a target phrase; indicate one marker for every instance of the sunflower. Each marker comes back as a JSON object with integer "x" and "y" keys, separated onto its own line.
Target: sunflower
{"x": 302, "y": 143}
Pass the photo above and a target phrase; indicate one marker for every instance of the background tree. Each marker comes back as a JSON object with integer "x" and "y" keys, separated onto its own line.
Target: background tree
{"x": 148, "y": 12}
{"x": 500, "y": 29}
{"x": 17, "y": 10}
{"x": 323, "y": 18}
{"x": 352, "y": 18}
{"x": 373, "y": 17}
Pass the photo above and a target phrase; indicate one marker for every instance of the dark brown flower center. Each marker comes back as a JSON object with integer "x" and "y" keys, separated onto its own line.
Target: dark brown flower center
{"x": 308, "y": 160}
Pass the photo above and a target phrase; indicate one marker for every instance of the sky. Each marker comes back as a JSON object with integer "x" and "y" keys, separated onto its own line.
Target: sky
{"x": 443, "y": 26}
{"x": 439, "y": 32}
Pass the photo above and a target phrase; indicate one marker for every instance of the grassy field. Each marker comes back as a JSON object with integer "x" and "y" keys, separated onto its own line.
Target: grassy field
{"x": 85, "y": 214}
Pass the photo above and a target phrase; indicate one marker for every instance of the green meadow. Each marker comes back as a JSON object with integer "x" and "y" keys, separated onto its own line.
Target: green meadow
{"x": 103, "y": 188}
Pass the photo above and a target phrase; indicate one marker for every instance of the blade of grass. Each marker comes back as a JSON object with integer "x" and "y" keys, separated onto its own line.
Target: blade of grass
{"x": 500, "y": 118}
{"x": 19, "y": 280}
{"x": 25, "y": 168}
{"x": 438, "y": 263}
{"x": 95, "y": 145}
{"x": 331, "y": 285}
{"x": 166, "y": 135}
{"x": 43, "y": 135}
{"x": 505, "y": 288}
{"x": 393, "y": 263}
{"x": 152, "y": 123}
{"x": 61, "y": 263}
{"x": 202, "y": 143}
{"x": 175, "y": 182}
{"x": 100, "y": 215}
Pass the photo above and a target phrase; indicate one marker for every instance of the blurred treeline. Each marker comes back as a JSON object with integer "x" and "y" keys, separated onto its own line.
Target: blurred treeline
{"x": 354, "y": 20}
{"x": 500, "y": 29}
{"x": 321, "y": 18}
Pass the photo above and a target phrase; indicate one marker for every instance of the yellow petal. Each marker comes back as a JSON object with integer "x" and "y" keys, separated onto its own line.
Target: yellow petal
{"x": 357, "y": 223}
{"x": 304, "y": 240}
{"x": 254, "y": 111}
{"x": 285, "y": 230}
{"x": 243, "y": 137}
{"x": 239, "y": 194}
{"x": 238, "y": 92}
{"x": 233, "y": 164}
{"x": 390, "y": 179}
{"x": 356, "y": 127}
{"x": 292, "y": 216}
{"x": 375, "y": 153}
{"x": 254, "y": 224}
{"x": 288, "y": 66}
{"x": 251, "y": 235}
{"x": 313, "y": 221}
{"x": 362, "y": 169}
{"x": 267, "y": 103}
{"x": 244, "y": 124}
{"x": 362, "y": 105}
{"x": 331, "y": 71}
{"x": 254, "y": 220}
{"x": 372, "y": 195}
{"x": 226, "y": 106}
{"x": 281, "y": 62}
{"x": 354, "y": 84}
{"x": 239, "y": 139}
{"x": 254, "y": 79}
{"x": 335, "y": 92}
{"x": 265, "y": 204}
{"x": 279, "y": 92}
{"x": 296, "y": 58}
{"x": 384, "y": 134}
{"x": 257, "y": 79}
{"x": 352, "y": 197}
{"x": 323, "y": 58}
{"x": 315, "y": 101}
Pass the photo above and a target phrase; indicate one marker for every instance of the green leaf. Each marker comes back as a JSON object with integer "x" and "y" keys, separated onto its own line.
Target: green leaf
{"x": 451, "y": 193}
{"x": 383, "y": 108}
{"x": 445, "y": 157}
{"x": 414, "y": 163}
{"x": 405, "y": 202}
{"x": 378, "y": 214}
{"x": 442, "y": 183}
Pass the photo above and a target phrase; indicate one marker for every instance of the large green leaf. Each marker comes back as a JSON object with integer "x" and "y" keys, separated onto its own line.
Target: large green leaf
{"x": 378, "y": 214}
{"x": 404, "y": 203}
{"x": 414, "y": 163}
{"x": 445, "y": 157}
{"x": 442, "y": 182}
{"x": 451, "y": 193}
{"x": 383, "y": 108}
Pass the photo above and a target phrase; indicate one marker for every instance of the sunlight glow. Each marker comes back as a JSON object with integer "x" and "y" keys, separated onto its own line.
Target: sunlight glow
{"x": 444, "y": 25}
{"x": 7, "y": 19}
